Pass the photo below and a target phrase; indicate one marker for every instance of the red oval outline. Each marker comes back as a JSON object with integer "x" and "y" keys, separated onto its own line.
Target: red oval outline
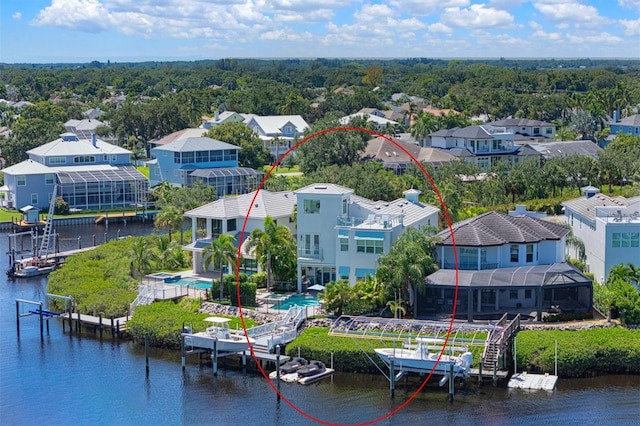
{"x": 455, "y": 256}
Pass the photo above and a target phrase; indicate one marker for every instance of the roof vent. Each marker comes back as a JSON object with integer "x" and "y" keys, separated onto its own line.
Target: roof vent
{"x": 320, "y": 187}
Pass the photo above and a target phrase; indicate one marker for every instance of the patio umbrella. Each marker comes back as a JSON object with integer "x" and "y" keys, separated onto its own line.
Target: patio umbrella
{"x": 316, "y": 287}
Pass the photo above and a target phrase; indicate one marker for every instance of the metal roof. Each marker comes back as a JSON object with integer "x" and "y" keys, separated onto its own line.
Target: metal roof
{"x": 555, "y": 274}
{"x": 274, "y": 204}
{"x": 192, "y": 143}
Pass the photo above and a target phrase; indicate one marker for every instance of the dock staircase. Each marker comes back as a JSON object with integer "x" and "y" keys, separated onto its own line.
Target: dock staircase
{"x": 48, "y": 227}
{"x": 497, "y": 345}
{"x": 280, "y": 332}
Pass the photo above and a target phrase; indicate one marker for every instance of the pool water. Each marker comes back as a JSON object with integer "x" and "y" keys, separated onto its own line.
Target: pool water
{"x": 193, "y": 283}
{"x": 296, "y": 300}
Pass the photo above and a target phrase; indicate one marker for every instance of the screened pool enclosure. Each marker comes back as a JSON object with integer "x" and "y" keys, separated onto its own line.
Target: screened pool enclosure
{"x": 106, "y": 188}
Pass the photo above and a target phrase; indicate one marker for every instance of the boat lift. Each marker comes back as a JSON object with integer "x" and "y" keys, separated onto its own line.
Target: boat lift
{"x": 405, "y": 333}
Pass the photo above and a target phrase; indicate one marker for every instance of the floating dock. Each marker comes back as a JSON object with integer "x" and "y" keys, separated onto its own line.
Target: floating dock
{"x": 533, "y": 381}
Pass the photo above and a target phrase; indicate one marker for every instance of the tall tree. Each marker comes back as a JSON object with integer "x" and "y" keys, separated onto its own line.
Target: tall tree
{"x": 220, "y": 252}
{"x": 252, "y": 154}
{"x": 169, "y": 218}
{"x": 274, "y": 248}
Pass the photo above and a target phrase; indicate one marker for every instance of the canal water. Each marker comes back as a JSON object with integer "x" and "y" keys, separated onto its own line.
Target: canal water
{"x": 65, "y": 379}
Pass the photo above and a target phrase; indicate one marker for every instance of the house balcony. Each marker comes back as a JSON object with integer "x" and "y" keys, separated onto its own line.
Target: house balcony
{"x": 310, "y": 253}
{"x": 373, "y": 221}
{"x": 470, "y": 266}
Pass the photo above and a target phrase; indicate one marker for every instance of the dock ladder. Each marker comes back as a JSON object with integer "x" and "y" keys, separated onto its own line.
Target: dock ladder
{"x": 46, "y": 237}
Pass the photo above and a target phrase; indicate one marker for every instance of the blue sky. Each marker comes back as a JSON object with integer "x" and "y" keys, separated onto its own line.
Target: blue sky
{"x": 137, "y": 30}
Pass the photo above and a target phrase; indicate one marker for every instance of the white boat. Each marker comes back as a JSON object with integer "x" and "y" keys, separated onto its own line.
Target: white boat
{"x": 423, "y": 358}
{"x": 227, "y": 340}
{"x": 27, "y": 269}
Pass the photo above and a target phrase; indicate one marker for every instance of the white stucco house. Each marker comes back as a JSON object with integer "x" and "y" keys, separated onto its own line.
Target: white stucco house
{"x": 609, "y": 227}
{"x": 227, "y": 215}
{"x": 341, "y": 235}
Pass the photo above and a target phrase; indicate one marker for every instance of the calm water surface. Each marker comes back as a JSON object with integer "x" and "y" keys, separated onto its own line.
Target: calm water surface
{"x": 69, "y": 380}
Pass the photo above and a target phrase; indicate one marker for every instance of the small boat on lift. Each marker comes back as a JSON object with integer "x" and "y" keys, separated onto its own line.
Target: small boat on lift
{"x": 30, "y": 268}
{"x": 302, "y": 371}
{"x": 425, "y": 357}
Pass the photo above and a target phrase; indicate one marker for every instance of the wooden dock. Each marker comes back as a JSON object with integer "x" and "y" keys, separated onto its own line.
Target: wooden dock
{"x": 116, "y": 326}
{"x": 533, "y": 381}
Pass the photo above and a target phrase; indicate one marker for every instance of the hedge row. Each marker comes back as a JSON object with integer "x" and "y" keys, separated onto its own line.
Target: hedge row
{"x": 581, "y": 353}
{"x": 163, "y": 321}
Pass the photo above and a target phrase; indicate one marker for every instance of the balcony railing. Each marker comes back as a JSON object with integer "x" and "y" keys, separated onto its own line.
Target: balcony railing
{"x": 374, "y": 221}
{"x": 470, "y": 266}
{"x": 310, "y": 252}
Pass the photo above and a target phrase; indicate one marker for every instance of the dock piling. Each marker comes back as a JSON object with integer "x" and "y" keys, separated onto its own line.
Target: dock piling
{"x": 183, "y": 355}
{"x": 18, "y": 317}
{"x": 451, "y": 380}
{"x": 146, "y": 352}
{"x": 392, "y": 378}
{"x": 215, "y": 357}
{"x": 100, "y": 324}
{"x": 278, "y": 372}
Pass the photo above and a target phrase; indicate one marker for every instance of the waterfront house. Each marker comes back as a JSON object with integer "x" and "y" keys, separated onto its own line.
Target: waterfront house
{"x": 609, "y": 227}
{"x": 227, "y": 216}
{"x": 186, "y": 159}
{"x": 483, "y": 145}
{"x": 341, "y": 235}
{"x": 89, "y": 173}
{"x": 511, "y": 264}
{"x": 380, "y": 123}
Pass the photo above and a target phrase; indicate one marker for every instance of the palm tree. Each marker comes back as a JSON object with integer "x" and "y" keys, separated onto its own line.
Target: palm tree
{"x": 273, "y": 243}
{"x": 170, "y": 219}
{"x": 220, "y": 251}
{"x": 165, "y": 255}
{"x": 424, "y": 124}
{"x": 141, "y": 256}
{"x": 396, "y": 307}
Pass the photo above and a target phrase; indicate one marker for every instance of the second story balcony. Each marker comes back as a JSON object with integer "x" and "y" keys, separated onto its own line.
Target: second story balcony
{"x": 313, "y": 252}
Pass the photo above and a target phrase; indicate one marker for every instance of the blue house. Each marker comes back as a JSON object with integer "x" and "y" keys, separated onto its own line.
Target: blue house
{"x": 89, "y": 173}
{"x": 188, "y": 159}
{"x": 630, "y": 125}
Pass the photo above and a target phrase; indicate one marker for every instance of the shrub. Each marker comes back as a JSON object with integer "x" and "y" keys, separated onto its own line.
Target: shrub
{"x": 61, "y": 207}
{"x": 260, "y": 279}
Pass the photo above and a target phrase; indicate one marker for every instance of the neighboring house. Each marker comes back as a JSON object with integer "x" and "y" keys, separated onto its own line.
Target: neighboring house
{"x": 82, "y": 128}
{"x": 89, "y": 173}
{"x": 227, "y": 216}
{"x": 630, "y": 125}
{"x": 548, "y": 150}
{"x": 172, "y": 137}
{"x": 93, "y": 113}
{"x": 483, "y": 145}
{"x": 531, "y": 129}
{"x": 380, "y": 123}
{"x": 283, "y": 128}
{"x": 393, "y": 158}
{"x": 505, "y": 264}
{"x": 609, "y": 227}
{"x": 341, "y": 235}
{"x": 222, "y": 118}
{"x": 394, "y": 113}
{"x": 187, "y": 159}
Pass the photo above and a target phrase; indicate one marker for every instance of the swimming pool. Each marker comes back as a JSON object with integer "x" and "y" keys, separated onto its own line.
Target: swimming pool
{"x": 296, "y": 300}
{"x": 193, "y": 283}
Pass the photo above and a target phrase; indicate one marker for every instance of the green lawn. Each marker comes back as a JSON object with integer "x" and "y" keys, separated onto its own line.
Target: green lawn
{"x": 282, "y": 169}
{"x": 144, "y": 170}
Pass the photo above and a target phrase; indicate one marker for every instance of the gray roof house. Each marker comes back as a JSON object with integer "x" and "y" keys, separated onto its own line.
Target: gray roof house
{"x": 86, "y": 173}
{"x": 512, "y": 264}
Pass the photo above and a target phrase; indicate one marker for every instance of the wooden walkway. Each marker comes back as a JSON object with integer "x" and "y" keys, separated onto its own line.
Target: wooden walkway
{"x": 117, "y": 326}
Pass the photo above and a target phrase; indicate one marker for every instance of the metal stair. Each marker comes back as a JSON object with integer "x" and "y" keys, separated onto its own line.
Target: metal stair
{"x": 48, "y": 227}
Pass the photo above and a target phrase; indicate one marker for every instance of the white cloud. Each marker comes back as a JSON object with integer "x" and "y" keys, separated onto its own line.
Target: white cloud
{"x": 285, "y": 35}
{"x": 17, "y": 16}
{"x": 632, "y": 28}
{"x": 535, "y": 25}
{"x": 631, "y": 4}
{"x": 568, "y": 10}
{"x": 439, "y": 27}
{"x": 547, "y": 36}
{"x": 476, "y": 16}
{"x": 426, "y": 7}
{"x": 85, "y": 15}
{"x": 600, "y": 38}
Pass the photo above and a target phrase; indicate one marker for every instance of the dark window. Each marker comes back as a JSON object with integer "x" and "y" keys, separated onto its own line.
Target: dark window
{"x": 515, "y": 258}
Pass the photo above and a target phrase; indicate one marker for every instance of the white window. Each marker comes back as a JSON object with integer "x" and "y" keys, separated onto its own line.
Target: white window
{"x": 49, "y": 179}
{"x": 515, "y": 253}
{"x": 344, "y": 242}
{"x": 114, "y": 158}
{"x": 625, "y": 239}
{"x": 34, "y": 199}
{"x": 369, "y": 246}
{"x": 57, "y": 160}
{"x": 529, "y": 253}
{"x": 21, "y": 180}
